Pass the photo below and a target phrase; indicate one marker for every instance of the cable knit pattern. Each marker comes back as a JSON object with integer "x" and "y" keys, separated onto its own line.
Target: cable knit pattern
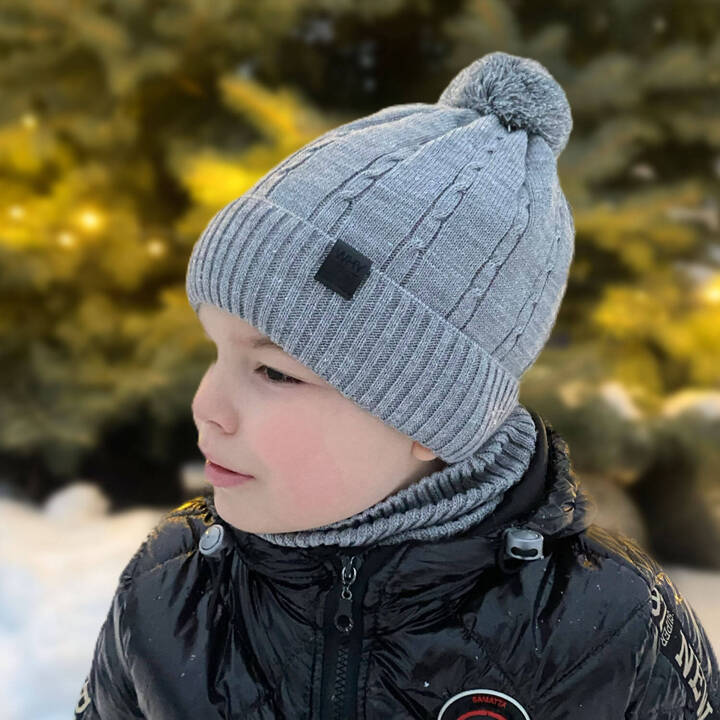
{"x": 442, "y": 504}
{"x": 415, "y": 259}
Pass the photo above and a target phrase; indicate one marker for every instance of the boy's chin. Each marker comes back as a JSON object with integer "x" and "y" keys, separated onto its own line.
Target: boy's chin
{"x": 235, "y": 511}
{"x": 239, "y": 516}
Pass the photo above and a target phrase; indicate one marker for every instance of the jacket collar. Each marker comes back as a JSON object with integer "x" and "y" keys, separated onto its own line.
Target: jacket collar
{"x": 548, "y": 499}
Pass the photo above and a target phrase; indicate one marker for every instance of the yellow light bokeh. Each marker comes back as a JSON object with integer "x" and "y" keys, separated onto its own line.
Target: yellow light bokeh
{"x": 29, "y": 120}
{"x": 66, "y": 239}
{"x": 156, "y": 247}
{"x": 90, "y": 220}
{"x": 710, "y": 291}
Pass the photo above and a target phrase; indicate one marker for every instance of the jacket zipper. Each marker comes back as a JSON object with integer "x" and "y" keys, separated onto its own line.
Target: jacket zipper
{"x": 344, "y": 632}
{"x": 341, "y": 630}
{"x": 344, "y": 624}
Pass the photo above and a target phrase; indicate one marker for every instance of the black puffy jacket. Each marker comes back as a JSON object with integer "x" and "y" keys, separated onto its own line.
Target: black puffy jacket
{"x": 211, "y": 622}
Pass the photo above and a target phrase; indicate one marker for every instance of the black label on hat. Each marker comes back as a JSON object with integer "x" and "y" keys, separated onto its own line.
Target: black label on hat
{"x": 344, "y": 269}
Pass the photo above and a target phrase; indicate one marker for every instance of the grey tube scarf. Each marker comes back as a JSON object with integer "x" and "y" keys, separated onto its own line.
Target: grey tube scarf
{"x": 444, "y": 503}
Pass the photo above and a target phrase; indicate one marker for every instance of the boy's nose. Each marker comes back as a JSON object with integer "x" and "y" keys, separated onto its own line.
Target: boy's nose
{"x": 211, "y": 403}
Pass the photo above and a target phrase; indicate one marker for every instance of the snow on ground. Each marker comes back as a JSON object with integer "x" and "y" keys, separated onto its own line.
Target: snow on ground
{"x": 59, "y": 567}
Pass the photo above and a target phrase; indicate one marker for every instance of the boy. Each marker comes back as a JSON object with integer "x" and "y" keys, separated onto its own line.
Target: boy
{"x": 390, "y": 534}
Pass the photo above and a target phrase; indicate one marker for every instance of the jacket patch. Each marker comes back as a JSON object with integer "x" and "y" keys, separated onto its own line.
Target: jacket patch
{"x": 675, "y": 646}
{"x": 83, "y": 700}
{"x": 482, "y": 703}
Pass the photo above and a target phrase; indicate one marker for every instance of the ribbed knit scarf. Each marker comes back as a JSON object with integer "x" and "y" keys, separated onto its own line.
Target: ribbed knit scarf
{"x": 444, "y": 503}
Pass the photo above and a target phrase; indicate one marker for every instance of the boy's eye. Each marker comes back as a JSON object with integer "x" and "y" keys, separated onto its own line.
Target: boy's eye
{"x": 274, "y": 376}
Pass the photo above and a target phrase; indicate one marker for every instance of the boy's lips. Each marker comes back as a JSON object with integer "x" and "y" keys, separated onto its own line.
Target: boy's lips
{"x": 224, "y": 467}
{"x": 221, "y": 477}
{"x": 227, "y": 469}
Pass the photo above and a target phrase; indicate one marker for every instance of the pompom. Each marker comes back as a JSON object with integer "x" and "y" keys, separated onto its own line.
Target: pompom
{"x": 519, "y": 90}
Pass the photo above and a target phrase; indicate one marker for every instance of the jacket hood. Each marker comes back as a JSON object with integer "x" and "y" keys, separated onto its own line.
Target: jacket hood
{"x": 548, "y": 500}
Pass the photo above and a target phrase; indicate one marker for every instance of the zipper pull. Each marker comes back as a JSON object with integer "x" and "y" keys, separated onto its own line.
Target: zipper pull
{"x": 343, "y": 616}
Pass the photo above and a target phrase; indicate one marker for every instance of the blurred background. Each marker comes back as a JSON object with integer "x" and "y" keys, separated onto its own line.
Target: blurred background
{"x": 125, "y": 125}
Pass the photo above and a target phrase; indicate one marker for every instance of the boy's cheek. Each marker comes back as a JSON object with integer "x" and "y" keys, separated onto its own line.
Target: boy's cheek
{"x": 291, "y": 446}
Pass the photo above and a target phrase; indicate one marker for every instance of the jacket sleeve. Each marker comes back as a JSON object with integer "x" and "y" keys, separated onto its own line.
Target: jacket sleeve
{"x": 657, "y": 665}
{"x": 677, "y": 675}
{"x": 108, "y": 690}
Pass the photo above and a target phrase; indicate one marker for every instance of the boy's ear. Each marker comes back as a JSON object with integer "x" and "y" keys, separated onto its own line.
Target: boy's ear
{"x": 421, "y": 452}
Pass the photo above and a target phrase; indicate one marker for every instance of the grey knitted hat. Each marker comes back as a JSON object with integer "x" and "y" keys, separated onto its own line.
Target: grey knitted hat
{"x": 415, "y": 258}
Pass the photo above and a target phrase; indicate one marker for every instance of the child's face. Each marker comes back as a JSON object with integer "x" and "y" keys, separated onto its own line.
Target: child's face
{"x": 316, "y": 456}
